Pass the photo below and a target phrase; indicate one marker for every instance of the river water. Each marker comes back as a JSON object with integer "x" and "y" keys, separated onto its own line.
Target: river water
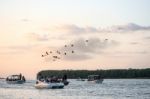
{"x": 109, "y": 89}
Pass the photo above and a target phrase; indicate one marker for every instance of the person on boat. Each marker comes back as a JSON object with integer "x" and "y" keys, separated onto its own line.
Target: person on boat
{"x": 54, "y": 79}
{"x": 40, "y": 77}
{"x": 7, "y": 79}
{"x": 48, "y": 79}
{"x": 20, "y": 76}
{"x": 64, "y": 78}
{"x": 23, "y": 78}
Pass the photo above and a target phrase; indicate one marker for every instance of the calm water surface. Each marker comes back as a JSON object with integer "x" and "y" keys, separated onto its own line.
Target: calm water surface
{"x": 109, "y": 89}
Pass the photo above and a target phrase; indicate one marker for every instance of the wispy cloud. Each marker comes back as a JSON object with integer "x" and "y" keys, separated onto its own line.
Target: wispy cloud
{"x": 15, "y": 49}
{"x": 77, "y": 29}
{"x": 84, "y": 49}
{"x": 148, "y": 38}
{"x": 65, "y": 32}
{"x": 37, "y": 37}
{"x": 134, "y": 43}
{"x": 74, "y": 29}
{"x": 131, "y": 52}
{"x": 127, "y": 28}
{"x": 25, "y": 20}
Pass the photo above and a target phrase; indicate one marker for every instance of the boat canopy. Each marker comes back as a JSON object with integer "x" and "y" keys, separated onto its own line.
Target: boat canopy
{"x": 13, "y": 77}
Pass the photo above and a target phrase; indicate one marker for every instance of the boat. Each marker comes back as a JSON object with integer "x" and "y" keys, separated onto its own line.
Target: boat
{"x": 50, "y": 82}
{"x": 15, "y": 79}
{"x": 95, "y": 78}
{"x": 49, "y": 85}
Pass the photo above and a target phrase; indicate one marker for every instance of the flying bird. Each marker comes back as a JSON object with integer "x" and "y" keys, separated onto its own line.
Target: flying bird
{"x": 86, "y": 40}
{"x": 54, "y": 56}
{"x": 57, "y": 54}
{"x": 47, "y": 53}
{"x": 72, "y": 45}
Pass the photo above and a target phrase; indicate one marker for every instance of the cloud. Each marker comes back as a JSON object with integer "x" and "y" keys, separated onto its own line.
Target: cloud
{"x": 15, "y": 49}
{"x": 134, "y": 43}
{"x": 84, "y": 49}
{"x": 77, "y": 57}
{"x": 25, "y": 20}
{"x": 131, "y": 52}
{"x": 77, "y": 29}
{"x": 127, "y": 28}
{"x": 74, "y": 29}
{"x": 37, "y": 37}
{"x": 65, "y": 32}
{"x": 21, "y": 47}
{"x": 148, "y": 38}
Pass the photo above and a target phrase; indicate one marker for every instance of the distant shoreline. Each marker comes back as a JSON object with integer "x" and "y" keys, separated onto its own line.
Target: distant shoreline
{"x": 131, "y": 78}
{"x": 106, "y": 74}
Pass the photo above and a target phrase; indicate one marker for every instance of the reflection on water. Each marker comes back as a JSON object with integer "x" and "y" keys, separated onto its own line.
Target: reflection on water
{"x": 109, "y": 89}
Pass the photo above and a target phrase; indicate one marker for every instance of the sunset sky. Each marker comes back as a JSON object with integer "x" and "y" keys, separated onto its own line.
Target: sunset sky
{"x": 118, "y": 34}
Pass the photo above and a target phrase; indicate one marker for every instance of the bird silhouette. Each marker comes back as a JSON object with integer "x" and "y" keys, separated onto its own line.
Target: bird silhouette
{"x": 57, "y": 54}
{"x": 47, "y": 53}
{"x": 72, "y": 45}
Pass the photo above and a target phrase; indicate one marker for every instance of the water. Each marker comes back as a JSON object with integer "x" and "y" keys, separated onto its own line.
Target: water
{"x": 109, "y": 89}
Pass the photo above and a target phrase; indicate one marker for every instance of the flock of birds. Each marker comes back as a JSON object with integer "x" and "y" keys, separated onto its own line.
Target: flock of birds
{"x": 57, "y": 54}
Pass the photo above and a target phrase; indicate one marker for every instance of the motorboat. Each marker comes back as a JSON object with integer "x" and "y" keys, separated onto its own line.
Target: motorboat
{"x": 95, "y": 78}
{"x": 50, "y": 82}
{"x": 15, "y": 79}
{"x": 49, "y": 85}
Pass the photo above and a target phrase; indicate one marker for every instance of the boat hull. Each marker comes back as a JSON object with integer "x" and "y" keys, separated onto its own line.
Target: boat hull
{"x": 43, "y": 85}
{"x": 97, "y": 81}
{"x": 16, "y": 82}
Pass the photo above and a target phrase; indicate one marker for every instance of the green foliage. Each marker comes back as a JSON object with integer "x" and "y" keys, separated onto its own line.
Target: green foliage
{"x": 112, "y": 73}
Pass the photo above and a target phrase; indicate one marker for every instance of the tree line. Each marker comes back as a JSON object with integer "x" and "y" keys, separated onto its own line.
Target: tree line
{"x": 111, "y": 73}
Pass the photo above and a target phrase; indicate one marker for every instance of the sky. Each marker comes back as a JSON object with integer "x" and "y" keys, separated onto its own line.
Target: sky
{"x": 106, "y": 34}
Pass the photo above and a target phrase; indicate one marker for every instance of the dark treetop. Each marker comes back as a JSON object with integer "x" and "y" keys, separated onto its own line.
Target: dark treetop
{"x": 111, "y": 73}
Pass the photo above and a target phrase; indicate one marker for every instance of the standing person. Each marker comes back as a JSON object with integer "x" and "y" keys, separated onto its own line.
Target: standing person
{"x": 64, "y": 78}
{"x": 23, "y": 78}
{"x": 20, "y": 76}
{"x": 39, "y": 77}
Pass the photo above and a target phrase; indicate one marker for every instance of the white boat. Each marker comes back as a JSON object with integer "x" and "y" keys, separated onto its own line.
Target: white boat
{"x": 15, "y": 79}
{"x": 95, "y": 78}
{"x": 45, "y": 85}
